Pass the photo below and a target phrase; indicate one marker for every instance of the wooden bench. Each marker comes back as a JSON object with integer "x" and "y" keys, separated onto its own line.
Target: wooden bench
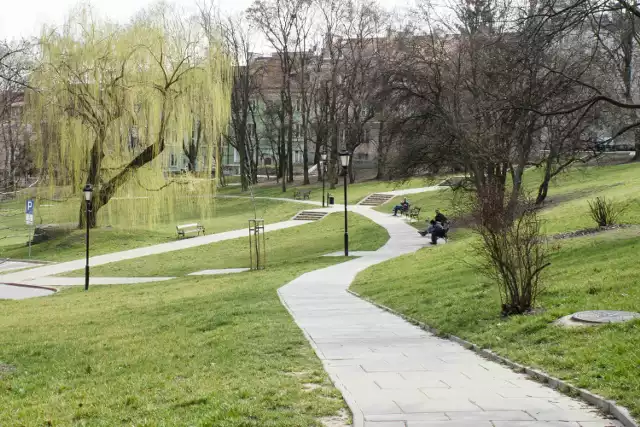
{"x": 413, "y": 213}
{"x": 302, "y": 194}
{"x": 185, "y": 229}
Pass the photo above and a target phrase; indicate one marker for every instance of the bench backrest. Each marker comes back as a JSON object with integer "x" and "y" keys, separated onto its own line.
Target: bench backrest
{"x": 194, "y": 225}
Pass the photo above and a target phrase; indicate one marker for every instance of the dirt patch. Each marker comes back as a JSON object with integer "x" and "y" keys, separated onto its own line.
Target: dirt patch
{"x": 311, "y": 386}
{"x": 590, "y": 231}
{"x": 553, "y": 201}
{"x": 298, "y": 374}
{"x": 340, "y": 420}
{"x": 6, "y": 369}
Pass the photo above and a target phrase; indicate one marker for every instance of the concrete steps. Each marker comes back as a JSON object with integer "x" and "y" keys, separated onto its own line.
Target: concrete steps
{"x": 376, "y": 199}
{"x": 309, "y": 216}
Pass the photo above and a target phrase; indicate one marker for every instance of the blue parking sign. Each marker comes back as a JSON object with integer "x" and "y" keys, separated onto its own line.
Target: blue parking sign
{"x": 29, "y": 207}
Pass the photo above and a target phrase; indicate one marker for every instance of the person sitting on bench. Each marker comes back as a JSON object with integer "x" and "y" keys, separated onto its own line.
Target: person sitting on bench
{"x": 401, "y": 207}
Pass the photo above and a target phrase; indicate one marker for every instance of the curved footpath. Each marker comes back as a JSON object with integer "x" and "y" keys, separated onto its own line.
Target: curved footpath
{"x": 394, "y": 374}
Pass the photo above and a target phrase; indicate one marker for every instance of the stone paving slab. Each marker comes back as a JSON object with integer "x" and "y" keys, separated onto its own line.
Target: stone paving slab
{"x": 16, "y": 265}
{"x": 219, "y": 271}
{"x": 22, "y": 292}
{"x": 392, "y": 373}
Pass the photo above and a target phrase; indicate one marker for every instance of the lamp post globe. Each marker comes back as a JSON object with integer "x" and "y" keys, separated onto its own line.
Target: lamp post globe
{"x": 344, "y": 158}
{"x": 87, "y": 190}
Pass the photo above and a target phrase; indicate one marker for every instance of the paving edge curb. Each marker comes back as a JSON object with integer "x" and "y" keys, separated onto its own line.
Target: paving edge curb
{"x": 23, "y": 285}
{"x": 607, "y": 406}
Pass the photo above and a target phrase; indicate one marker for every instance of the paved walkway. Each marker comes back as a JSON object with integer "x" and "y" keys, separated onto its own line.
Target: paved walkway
{"x": 280, "y": 199}
{"x": 393, "y": 374}
{"x": 57, "y": 281}
{"x": 407, "y": 191}
{"x": 64, "y": 267}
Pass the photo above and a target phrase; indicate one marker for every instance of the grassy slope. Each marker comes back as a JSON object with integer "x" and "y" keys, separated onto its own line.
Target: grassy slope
{"x": 595, "y": 272}
{"x": 219, "y": 351}
{"x": 283, "y": 247}
{"x": 566, "y": 207}
{"x": 355, "y": 192}
{"x": 230, "y": 214}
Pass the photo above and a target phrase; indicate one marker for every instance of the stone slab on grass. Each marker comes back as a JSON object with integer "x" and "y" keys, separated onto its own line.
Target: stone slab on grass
{"x": 219, "y": 271}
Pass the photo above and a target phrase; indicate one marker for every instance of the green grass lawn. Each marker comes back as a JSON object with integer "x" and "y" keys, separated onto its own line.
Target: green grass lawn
{"x": 283, "y": 248}
{"x": 218, "y": 351}
{"x": 440, "y": 287}
{"x": 230, "y": 214}
{"x": 355, "y": 192}
{"x": 566, "y": 207}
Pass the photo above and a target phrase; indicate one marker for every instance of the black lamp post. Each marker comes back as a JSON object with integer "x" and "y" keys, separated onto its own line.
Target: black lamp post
{"x": 87, "y": 190}
{"x": 344, "y": 161}
{"x": 323, "y": 167}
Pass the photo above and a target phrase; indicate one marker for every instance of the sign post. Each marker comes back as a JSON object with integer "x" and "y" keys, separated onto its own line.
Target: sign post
{"x": 29, "y": 220}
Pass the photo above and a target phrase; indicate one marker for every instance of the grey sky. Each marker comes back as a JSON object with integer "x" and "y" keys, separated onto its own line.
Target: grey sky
{"x": 24, "y": 18}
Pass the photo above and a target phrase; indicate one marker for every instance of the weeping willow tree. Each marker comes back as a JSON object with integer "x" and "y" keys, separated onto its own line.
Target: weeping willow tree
{"x": 116, "y": 101}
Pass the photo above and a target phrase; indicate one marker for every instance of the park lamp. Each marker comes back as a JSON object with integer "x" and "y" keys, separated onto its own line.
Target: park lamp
{"x": 87, "y": 190}
{"x": 344, "y": 158}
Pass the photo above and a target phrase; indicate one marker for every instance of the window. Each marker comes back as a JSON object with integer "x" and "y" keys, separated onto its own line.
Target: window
{"x": 267, "y": 161}
{"x": 296, "y": 130}
{"x": 173, "y": 161}
{"x": 298, "y": 104}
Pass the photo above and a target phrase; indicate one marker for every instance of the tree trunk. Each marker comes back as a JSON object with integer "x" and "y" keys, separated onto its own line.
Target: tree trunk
{"x": 93, "y": 213}
{"x": 290, "y": 148}
{"x": 636, "y": 135}
{"x": 352, "y": 173}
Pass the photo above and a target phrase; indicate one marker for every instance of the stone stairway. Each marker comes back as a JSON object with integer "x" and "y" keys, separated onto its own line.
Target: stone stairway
{"x": 376, "y": 199}
{"x": 309, "y": 216}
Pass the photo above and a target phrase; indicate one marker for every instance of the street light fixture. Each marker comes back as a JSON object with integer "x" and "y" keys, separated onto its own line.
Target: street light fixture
{"x": 87, "y": 190}
{"x": 323, "y": 167}
{"x": 344, "y": 161}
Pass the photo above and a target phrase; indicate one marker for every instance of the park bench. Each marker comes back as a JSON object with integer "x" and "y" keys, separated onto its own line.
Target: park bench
{"x": 412, "y": 213}
{"x": 185, "y": 229}
{"x": 302, "y": 194}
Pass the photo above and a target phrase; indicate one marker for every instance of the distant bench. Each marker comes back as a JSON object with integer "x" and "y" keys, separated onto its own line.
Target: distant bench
{"x": 302, "y": 194}
{"x": 412, "y": 213}
{"x": 185, "y": 229}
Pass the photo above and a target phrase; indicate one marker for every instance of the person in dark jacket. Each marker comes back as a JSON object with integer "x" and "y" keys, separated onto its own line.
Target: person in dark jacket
{"x": 429, "y": 228}
{"x": 440, "y": 217}
{"x": 438, "y": 232}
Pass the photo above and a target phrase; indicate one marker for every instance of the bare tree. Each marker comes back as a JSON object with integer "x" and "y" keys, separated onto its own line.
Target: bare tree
{"x": 305, "y": 29}
{"x": 333, "y": 14}
{"x": 278, "y": 19}
{"x": 16, "y": 60}
{"x": 237, "y": 36}
{"x": 360, "y": 79}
